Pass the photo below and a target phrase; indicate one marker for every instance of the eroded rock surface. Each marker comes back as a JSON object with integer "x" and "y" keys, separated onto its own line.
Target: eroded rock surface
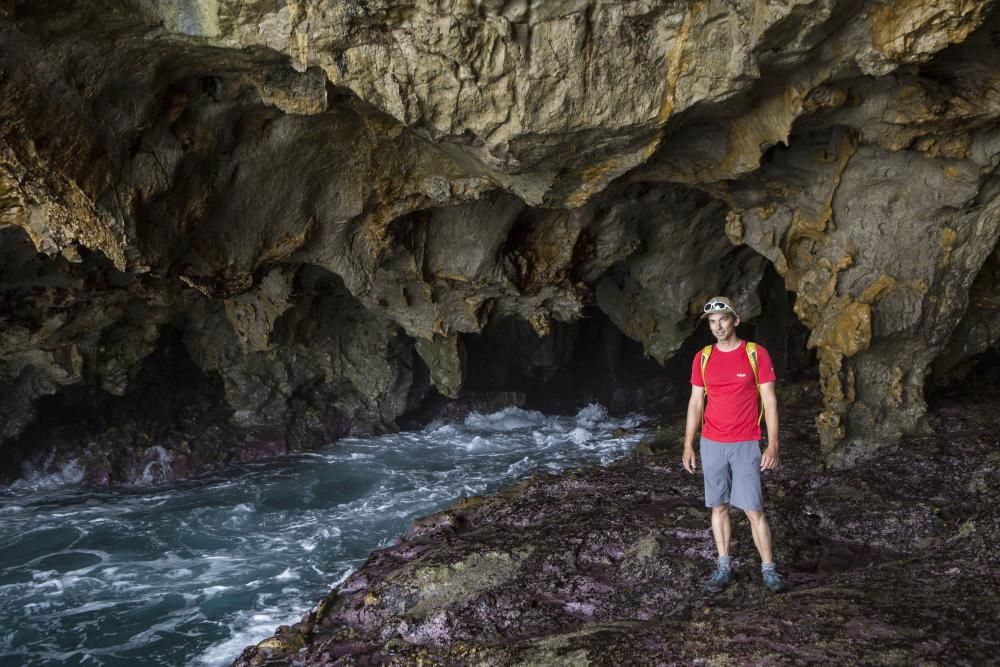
{"x": 890, "y": 562}
{"x": 204, "y": 168}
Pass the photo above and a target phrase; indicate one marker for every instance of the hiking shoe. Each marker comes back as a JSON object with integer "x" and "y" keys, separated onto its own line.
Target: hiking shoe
{"x": 773, "y": 582}
{"x": 719, "y": 580}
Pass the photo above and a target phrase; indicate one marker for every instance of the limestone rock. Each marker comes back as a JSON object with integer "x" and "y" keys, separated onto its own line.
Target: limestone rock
{"x": 653, "y": 295}
{"x": 446, "y": 360}
{"x": 979, "y": 329}
{"x": 302, "y": 191}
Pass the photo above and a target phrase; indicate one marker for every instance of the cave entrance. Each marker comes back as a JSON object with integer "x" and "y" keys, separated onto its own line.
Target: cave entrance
{"x": 171, "y": 404}
{"x": 588, "y": 361}
{"x": 577, "y": 363}
{"x": 592, "y": 361}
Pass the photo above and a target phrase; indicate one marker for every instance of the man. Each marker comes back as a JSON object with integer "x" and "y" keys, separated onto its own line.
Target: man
{"x": 724, "y": 374}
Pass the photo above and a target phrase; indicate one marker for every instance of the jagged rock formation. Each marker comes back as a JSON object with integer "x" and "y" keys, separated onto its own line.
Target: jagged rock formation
{"x": 204, "y": 167}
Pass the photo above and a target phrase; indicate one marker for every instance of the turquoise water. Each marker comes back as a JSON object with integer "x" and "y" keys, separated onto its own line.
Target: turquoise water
{"x": 189, "y": 574}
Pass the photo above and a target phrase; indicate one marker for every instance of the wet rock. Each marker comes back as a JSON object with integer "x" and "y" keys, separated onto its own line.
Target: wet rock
{"x": 888, "y": 560}
{"x": 185, "y": 394}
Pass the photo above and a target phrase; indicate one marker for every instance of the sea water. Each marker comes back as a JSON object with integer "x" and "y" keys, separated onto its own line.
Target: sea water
{"x": 189, "y": 574}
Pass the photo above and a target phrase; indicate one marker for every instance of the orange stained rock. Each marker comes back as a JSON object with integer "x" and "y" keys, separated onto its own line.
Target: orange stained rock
{"x": 947, "y": 244}
{"x": 734, "y": 227}
{"x": 851, "y": 331}
{"x": 675, "y": 63}
{"x": 879, "y": 288}
{"x": 896, "y": 390}
{"x": 596, "y": 177}
{"x": 906, "y": 29}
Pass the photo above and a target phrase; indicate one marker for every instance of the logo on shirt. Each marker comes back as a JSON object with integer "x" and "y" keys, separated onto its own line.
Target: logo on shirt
{"x": 741, "y": 375}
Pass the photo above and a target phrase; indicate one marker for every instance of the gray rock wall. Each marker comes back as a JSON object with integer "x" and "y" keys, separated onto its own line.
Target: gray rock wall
{"x": 207, "y": 165}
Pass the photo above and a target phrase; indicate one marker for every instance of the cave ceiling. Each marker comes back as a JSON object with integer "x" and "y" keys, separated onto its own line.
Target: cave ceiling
{"x": 310, "y": 191}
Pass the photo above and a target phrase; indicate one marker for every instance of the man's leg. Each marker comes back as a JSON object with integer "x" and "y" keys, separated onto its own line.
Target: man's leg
{"x": 761, "y": 535}
{"x": 721, "y": 528}
{"x": 762, "y": 538}
{"x": 718, "y": 481}
{"x": 747, "y": 495}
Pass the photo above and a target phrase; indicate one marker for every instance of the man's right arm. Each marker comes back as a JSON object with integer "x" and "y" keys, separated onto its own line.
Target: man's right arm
{"x": 695, "y": 406}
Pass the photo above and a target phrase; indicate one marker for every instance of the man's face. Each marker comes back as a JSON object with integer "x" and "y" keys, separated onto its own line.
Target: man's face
{"x": 723, "y": 325}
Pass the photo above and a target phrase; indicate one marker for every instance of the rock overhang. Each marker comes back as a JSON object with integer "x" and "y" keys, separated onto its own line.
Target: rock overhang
{"x": 509, "y": 159}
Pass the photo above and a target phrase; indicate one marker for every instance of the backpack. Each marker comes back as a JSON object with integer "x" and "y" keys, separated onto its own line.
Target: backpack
{"x": 752, "y": 356}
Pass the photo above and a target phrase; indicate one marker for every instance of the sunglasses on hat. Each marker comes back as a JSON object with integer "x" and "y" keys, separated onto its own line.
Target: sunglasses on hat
{"x": 717, "y": 305}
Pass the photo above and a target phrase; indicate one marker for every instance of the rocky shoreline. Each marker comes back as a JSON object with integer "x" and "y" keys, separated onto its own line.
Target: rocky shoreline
{"x": 252, "y": 228}
{"x": 891, "y": 562}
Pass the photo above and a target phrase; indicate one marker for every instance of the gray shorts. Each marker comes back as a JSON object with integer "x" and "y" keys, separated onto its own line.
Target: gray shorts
{"x": 732, "y": 474}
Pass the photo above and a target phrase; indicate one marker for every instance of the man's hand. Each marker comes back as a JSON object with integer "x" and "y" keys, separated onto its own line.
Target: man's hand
{"x": 769, "y": 459}
{"x": 769, "y": 397}
{"x": 695, "y": 406}
{"x": 690, "y": 464}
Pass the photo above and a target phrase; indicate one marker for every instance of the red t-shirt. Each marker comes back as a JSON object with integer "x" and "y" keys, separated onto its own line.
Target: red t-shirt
{"x": 732, "y": 409}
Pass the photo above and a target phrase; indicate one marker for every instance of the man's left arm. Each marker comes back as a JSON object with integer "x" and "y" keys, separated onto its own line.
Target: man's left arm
{"x": 769, "y": 459}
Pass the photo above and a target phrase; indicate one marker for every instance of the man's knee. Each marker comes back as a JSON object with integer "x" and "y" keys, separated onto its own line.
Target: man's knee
{"x": 755, "y": 516}
{"x": 721, "y": 509}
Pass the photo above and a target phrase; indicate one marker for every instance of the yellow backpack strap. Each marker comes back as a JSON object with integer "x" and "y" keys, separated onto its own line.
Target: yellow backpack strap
{"x": 705, "y": 354}
{"x": 752, "y": 356}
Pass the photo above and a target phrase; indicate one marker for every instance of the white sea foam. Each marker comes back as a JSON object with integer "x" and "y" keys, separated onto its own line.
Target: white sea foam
{"x": 344, "y": 577}
{"x": 199, "y": 565}
{"x": 440, "y": 429}
{"x": 243, "y": 631}
{"x": 477, "y": 442}
{"x": 508, "y": 419}
{"x": 70, "y": 473}
{"x": 157, "y": 470}
{"x": 519, "y": 467}
{"x": 88, "y": 607}
{"x": 592, "y": 415}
